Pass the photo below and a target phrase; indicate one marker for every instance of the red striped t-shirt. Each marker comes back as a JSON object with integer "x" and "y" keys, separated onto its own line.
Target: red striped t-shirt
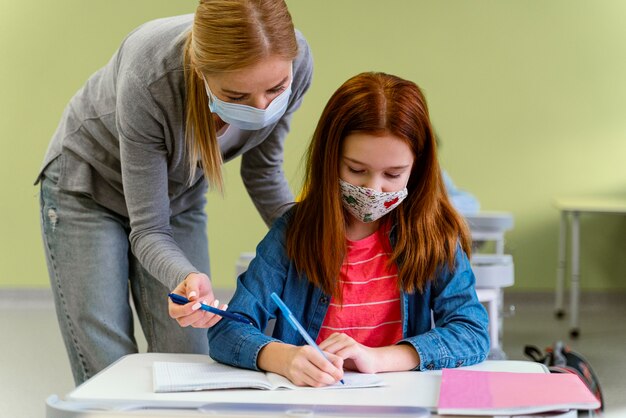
{"x": 370, "y": 312}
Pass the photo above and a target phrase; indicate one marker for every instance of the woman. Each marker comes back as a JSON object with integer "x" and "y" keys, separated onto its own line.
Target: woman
{"x": 124, "y": 180}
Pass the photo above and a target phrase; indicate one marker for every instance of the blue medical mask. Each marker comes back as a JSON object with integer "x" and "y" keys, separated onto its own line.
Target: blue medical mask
{"x": 247, "y": 117}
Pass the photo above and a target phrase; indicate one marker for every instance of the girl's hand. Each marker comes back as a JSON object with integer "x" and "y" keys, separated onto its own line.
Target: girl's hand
{"x": 197, "y": 288}
{"x": 356, "y": 356}
{"x": 303, "y": 365}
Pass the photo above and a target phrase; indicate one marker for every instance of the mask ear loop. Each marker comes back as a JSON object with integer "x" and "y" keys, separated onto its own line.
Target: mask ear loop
{"x": 210, "y": 94}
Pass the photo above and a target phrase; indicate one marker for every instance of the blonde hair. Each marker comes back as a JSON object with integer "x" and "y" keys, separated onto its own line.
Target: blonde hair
{"x": 227, "y": 35}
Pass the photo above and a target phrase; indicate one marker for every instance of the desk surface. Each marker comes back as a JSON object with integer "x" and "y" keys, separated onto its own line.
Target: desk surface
{"x": 591, "y": 204}
{"x": 129, "y": 381}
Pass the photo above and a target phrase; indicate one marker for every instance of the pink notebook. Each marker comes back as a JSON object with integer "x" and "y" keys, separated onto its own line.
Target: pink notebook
{"x": 471, "y": 392}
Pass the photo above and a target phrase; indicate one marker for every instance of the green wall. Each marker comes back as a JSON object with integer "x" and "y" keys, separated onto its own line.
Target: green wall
{"x": 528, "y": 98}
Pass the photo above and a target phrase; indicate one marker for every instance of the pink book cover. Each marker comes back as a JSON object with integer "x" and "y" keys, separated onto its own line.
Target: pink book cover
{"x": 472, "y": 392}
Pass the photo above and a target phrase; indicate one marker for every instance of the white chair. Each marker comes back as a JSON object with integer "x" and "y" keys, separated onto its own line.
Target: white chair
{"x": 494, "y": 271}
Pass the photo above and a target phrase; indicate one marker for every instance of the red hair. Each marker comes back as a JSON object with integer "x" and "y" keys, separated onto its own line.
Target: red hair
{"x": 428, "y": 228}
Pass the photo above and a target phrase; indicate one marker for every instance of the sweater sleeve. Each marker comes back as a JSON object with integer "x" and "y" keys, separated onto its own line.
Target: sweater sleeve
{"x": 144, "y": 167}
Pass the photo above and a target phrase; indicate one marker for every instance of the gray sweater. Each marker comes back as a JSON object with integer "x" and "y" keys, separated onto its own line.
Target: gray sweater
{"x": 121, "y": 141}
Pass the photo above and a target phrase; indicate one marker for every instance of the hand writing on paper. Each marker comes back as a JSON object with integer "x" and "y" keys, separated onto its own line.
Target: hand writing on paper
{"x": 356, "y": 356}
{"x": 197, "y": 288}
{"x": 303, "y": 365}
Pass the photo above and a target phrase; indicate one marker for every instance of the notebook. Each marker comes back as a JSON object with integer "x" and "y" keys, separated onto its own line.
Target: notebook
{"x": 471, "y": 392}
{"x": 188, "y": 377}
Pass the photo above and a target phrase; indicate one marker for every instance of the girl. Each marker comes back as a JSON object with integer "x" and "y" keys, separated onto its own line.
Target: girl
{"x": 371, "y": 250}
{"x": 124, "y": 180}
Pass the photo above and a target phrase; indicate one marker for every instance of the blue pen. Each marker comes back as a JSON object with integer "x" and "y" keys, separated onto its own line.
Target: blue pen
{"x": 296, "y": 325}
{"x": 181, "y": 300}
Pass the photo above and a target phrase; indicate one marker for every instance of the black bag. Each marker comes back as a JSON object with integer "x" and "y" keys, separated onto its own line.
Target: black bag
{"x": 559, "y": 358}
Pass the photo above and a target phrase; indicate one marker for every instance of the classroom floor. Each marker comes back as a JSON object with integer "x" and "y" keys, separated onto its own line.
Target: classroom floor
{"x": 33, "y": 363}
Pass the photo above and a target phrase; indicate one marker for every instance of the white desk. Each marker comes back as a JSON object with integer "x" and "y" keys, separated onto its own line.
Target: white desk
{"x": 124, "y": 389}
{"x": 571, "y": 208}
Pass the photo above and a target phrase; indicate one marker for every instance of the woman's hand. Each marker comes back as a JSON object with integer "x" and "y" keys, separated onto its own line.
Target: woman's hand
{"x": 356, "y": 356}
{"x": 303, "y": 365}
{"x": 197, "y": 288}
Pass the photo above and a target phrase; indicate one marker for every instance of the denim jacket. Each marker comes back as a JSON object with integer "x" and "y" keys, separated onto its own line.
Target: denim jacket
{"x": 459, "y": 336}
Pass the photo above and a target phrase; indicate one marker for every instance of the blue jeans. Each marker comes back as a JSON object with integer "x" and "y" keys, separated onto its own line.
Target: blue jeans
{"x": 93, "y": 274}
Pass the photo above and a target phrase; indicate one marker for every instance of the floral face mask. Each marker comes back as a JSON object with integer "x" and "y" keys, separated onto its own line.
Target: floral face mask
{"x": 368, "y": 205}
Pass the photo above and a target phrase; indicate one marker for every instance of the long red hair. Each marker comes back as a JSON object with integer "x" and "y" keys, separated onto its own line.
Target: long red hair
{"x": 428, "y": 228}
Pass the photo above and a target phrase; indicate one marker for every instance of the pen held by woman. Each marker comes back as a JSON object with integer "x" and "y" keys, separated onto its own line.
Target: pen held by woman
{"x": 181, "y": 300}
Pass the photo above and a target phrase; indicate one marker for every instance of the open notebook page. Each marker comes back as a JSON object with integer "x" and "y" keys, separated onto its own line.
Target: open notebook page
{"x": 186, "y": 377}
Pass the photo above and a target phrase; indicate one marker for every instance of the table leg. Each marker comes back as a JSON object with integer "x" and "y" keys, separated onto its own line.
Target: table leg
{"x": 575, "y": 280}
{"x": 560, "y": 271}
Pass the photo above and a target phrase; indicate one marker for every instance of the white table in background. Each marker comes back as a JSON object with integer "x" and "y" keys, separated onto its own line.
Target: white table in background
{"x": 571, "y": 208}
